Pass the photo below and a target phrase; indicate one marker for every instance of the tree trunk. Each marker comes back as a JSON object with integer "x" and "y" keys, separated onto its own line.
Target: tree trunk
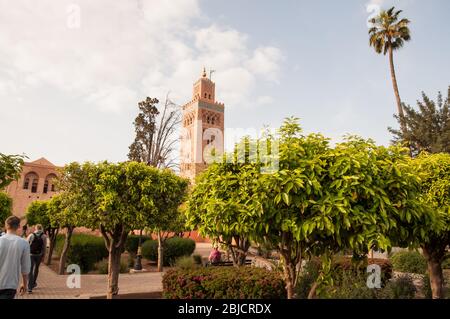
{"x": 396, "y": 91}
{"x": 114, "y": 241}
{"x": 313, "y": 291}
{"x": 52, "y": 234}
{"x": 434, "y": 253}
{"x": 160, "y": 253}
{"x": 290, "y": 276}
{"x": 239, "y": 250}
{"x": 63, "y": 258}
{"x": 113, "y": 270}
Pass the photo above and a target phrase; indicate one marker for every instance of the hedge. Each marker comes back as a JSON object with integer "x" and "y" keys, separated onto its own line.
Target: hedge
{"x": 409, "y": 262}
{"x": 132, "y": 243}
{"x": 223, "y": 283}
{"x": 85, "y": 250}
{"x": 174, "y": 248}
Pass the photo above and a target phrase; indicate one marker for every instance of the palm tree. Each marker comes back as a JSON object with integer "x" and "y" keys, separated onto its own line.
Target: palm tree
{"x": 388, "y": 34}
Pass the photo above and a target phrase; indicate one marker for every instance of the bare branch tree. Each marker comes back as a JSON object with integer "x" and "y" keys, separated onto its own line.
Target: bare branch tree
{"x": 156, "y": 136}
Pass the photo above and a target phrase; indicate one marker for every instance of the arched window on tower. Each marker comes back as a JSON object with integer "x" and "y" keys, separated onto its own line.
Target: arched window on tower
{"x": 209, "y": 96}
{"x": 206, "y": 95}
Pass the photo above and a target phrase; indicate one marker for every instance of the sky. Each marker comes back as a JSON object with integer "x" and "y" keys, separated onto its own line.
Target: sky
{"x": 72, "y": 72}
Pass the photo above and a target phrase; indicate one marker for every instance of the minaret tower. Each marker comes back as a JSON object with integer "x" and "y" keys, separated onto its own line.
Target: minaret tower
{"x": 202, "y": 128}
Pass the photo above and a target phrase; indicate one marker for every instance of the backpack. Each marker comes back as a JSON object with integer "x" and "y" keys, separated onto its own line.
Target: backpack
{"x": 37, "y": 244}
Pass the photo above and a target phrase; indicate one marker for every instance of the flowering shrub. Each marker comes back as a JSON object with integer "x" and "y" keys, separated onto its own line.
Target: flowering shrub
{"x": 223, "y": 283}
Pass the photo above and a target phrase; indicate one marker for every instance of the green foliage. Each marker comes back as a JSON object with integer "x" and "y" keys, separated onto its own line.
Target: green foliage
{"x": 399, "y": 288}
{"x": 38, "y": 213}
{"x": 132, "y": 243}
{"x": 5, "y": 208}
{"x": 426, "y": 287}
{"x": 102, "y": 267}
{"x": 10, "y": 168}
{"x": 223, "y": 283}
{"x": 85, "y": 250}
{"x": 173, "y": 249}
{"x": 309, "y": 275}
{"x": 409, "y": 262}
{"x": 350, "y": 285}
{"x": 155, "y": 136}
{"x": 446, "y": 262}
{"x": 427, "y": 128}
{"x": 186, "y": 262}
{"x": 388, "y": 32}
{"x": 321, "y": 200}
{"x": 198, "y": 259}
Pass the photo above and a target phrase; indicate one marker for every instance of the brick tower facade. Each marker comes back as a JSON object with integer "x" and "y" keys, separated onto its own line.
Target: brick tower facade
{"x": 202, "y": 129}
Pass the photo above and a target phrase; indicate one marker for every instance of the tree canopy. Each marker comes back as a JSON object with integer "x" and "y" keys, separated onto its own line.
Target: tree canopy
{"x": 154, "y": 142}
{"x": 427, "y": 126}
{"x": 434, "y": 171}
{"x": 5, "y": 208}
{"x": 10, "y": 168}
{"x": 321, "y": 200}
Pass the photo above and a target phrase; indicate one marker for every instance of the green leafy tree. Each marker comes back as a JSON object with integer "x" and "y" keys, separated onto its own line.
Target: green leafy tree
{"x": 427, "y": 127}
{"x": 166, "y": 218}
{"x": 69, "y": 207}
{"x": 119, "y": 198}
{"x": 320, "y": 201}
{"x": 5, "y": 208}
{"x": 434, "y": 171}
{"x": 10, "y": 168}
{"x": 388, "y": 34}
{"x": 219, "y": 204}
{"x": 39, "y": 213}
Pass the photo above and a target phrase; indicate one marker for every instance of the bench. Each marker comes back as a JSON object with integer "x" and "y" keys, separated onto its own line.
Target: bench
{"x": 227, "y": 263}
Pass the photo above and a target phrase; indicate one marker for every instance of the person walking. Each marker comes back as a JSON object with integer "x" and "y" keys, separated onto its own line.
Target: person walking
{"x": 37, "y": 241}
{"x": 24, "y": 231}
{"x": 14, "y": 260}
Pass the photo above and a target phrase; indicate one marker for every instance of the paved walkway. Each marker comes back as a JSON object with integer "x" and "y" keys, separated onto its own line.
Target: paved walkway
{"x": 53, "y": 286}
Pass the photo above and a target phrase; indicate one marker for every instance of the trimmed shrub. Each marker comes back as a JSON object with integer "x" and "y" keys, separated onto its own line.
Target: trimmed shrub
{"x": 399, "y": 288}
{"x": 85, "y": 250}
{"x": 349, "y": 285}
{"x": 198, "y": 260}
{"x": 186, "y": 262}
{"x": 223, "y": 283}
{"x": 409, "y": 262}
{"x": 102, "y": 266}
{"x": 358, "y": 267}
{"x": 174, "y": 248}
{"x": 132, "y": 243}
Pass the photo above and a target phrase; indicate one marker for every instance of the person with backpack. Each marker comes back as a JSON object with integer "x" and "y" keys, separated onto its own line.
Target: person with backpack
{"x": 38, "y": 245}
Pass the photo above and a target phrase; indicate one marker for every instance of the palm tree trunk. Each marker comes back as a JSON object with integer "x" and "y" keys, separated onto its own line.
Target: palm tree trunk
{"x": 396, "y": 91}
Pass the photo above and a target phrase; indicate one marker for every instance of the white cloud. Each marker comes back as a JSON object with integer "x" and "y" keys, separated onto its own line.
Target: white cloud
{"x": 124, "y": 50}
